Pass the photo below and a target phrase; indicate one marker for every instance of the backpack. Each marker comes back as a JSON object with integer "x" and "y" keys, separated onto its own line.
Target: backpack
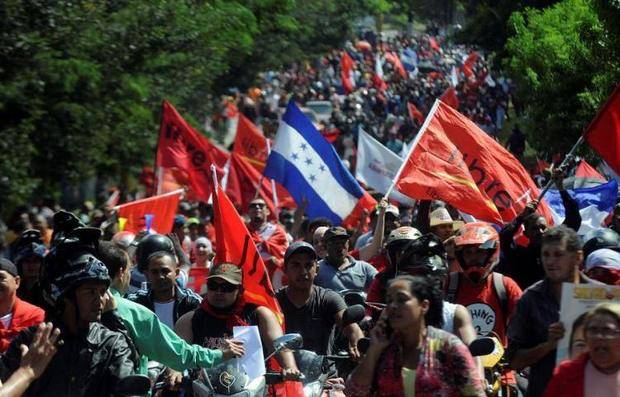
{"x": 498, "y": 286}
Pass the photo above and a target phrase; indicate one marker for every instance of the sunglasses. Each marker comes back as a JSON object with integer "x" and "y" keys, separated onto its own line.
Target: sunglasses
{"x": 257, "y": 205}
{"x": 221, "y": 287}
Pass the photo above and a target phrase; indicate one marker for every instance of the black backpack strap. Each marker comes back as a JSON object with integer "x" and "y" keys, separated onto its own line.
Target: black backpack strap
{"x": 453, "y": 287}
{"x": 500, "y": 290}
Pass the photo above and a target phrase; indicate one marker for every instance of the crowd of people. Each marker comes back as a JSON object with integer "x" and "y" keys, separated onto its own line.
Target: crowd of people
{"x": 84, "y": 304}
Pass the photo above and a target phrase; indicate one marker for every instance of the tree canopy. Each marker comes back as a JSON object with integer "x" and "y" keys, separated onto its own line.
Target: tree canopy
{"x": 81, "y": 82}
{"x": 565, "y": 62}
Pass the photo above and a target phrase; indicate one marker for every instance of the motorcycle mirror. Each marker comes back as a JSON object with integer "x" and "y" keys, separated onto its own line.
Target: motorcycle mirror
{"x": 353, "y": 314}
{"x": 482, "y": 346}
{"x": 133, "y": 385}
{"x": 354, "y": 298}
{"x": 363, "y": 344}
{"x": 288, "y": 341}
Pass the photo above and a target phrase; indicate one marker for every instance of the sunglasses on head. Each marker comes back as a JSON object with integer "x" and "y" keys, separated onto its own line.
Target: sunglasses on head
{"x": 221, "y": 287}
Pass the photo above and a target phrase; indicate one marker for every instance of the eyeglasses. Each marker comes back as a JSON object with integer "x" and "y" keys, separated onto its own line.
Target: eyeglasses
{"x": 221, "y": 287}
{"x": 602, "y": 332}
{"x": 257, "y": 205}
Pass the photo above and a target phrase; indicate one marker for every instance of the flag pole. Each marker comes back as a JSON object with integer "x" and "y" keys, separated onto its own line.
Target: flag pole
{"x": 414, "y": 143}
{"x": 569, "y": 156}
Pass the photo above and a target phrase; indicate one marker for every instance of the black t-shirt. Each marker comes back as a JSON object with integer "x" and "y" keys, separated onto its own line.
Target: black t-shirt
{"x": 315, "y": 320}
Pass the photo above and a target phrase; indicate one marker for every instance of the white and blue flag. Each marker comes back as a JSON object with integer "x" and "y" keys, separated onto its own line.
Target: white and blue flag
{"x": 595, "y": 204}
{"x": 307, "y": 165}
{"x": 409, "y": 59}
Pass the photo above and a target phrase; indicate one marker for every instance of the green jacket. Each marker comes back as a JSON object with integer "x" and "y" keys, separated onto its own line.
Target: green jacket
{"x": 156, "y": 341}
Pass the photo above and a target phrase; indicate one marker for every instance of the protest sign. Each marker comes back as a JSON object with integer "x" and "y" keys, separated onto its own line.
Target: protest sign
{"x": 577, "y": 299}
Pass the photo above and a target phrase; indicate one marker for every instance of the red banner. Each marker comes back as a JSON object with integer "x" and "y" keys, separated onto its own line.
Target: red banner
{"x": 497, "y": 173}
{"x": 250, "y": 143}
{"x": 436, "y": 170}
{"x": 235, "y": 245}
{"x": 604, "y": 132}
{"x": 346, "y": 67}
{"x": 188, "y": 154}
{"x": 155, "y": 213}
{"x": 414, "y": 113}
{"x": 450, "y": 98}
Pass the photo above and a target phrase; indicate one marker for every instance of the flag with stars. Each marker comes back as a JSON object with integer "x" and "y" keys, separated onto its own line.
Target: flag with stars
{"x": 309, "y": 167}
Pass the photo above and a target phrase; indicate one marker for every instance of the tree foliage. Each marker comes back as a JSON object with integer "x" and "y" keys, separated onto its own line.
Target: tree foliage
{"x": 564, "y": 66}
{"x": 81, "y": 82}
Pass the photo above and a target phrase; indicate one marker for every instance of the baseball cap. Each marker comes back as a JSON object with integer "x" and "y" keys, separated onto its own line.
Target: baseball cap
{"x": 335, "y": 232}
{"x": 299, "y": 246}
{"x": 8, "y": 267}
{"x": 228, "y": 272}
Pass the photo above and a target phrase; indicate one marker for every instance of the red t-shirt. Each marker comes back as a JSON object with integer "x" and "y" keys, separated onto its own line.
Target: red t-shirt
{"x": 485, "y": 307}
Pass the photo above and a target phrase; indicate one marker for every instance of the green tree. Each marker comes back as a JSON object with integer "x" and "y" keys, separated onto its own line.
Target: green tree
{"x": 561, "y": 61}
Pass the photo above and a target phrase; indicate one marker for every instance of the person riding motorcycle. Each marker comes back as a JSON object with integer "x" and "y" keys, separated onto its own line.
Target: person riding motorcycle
{"x": 490, "y": 297}
{"x": 92, "y": 359}
{"x": 396, "y": 242}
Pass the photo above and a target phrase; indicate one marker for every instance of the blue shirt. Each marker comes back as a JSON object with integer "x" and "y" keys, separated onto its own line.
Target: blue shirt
{"x": 357, "y": 276}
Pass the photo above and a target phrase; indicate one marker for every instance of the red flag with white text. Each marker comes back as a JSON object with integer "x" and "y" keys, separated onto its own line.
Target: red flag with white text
{"x": 497, "y": 173}
{"x": 436, "y": 170}
{"x": 185, "y": 156}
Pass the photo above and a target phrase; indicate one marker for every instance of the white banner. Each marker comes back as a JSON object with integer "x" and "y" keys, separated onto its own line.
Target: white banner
{"x": 377, "y": 165}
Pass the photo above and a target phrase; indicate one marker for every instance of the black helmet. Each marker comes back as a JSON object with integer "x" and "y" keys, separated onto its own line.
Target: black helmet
{"x": 29, "y": 245}
{"x": 426, "y": 255}
{"x": 600, "y": 238}
{"x": 150, "y": 245}
{"x": 71, "y": 261}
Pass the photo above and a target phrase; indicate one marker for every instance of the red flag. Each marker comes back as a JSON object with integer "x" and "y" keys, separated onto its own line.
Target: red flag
{"x": 250, "y": 143}
{"x": 471, "y": 59}
{"x": 398, "y": 65}
{"x": 187, "y": 153}
{"x": 414, "y": 113}
{"x": 603, "y": 134}
{"x": 436, "y": 170}
{"x": 160, "y": 210}
{"x": 243, "y": 180}
{"x": 497, "y": 173}
{"x": 346, "y": 67}
{"x": 235, "y": 245}
{"x": 585, "y": 170}
{"x": 449, "y": 98}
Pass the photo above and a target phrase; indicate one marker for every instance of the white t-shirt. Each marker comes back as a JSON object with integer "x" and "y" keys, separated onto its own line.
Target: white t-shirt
{"x": 164, "y": 312}
{"x": 6, "y": 320}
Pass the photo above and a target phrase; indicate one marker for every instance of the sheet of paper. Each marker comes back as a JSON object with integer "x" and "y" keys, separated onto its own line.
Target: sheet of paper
{"x": 253, "y": 362}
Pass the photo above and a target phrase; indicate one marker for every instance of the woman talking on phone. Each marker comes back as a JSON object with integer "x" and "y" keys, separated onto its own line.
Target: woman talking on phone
{"x": 408, "y": 354}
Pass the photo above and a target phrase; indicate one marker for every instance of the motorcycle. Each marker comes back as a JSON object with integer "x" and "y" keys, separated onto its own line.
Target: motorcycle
{"x": 227, "y": 379}
{"x": 491, "y": 353}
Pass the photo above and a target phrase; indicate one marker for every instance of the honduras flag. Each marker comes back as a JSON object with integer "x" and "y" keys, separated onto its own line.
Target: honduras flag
{"x": 595, "y": 204}
{"x": 308, "y": 167}
{"x": 409, "y": 59}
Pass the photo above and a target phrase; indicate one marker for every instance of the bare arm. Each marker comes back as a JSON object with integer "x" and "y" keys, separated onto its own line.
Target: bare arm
{"x": 298, "y": 218}
{"x": 372, "y": 249}
{"x": 35, "y": 360}
{"x": 353, "y": 333}
{"x": 183, "y": 327}
{"x": 270, "y": 330}
{"x": 464, "y": 329}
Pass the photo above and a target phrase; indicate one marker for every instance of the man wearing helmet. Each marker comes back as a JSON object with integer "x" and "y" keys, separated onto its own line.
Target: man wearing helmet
{"x": 490, "y": 297}
{"x": 28, "y": 259}
{"x": 92, "y": 359}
